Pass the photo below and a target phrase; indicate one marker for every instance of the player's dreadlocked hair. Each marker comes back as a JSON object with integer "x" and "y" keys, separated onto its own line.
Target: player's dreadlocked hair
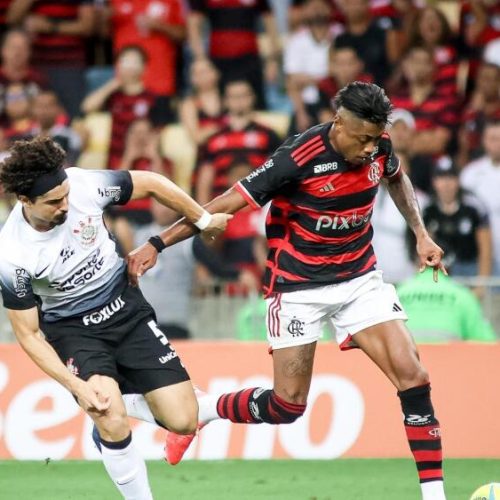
{"x": 27, "y": 161}
{"x": 366, "y": 101}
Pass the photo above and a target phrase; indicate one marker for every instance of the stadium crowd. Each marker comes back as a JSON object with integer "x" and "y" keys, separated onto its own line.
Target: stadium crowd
{"x": 228, "y": 80}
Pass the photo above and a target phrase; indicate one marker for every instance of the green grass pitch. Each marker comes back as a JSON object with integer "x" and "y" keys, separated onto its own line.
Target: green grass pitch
{"x": 245, "y": 480}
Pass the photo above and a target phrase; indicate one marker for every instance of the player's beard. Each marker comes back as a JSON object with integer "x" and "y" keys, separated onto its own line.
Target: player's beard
{"x": 60, "y": 219}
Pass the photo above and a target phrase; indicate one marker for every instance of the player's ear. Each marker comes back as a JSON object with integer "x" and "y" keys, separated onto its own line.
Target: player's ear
{"x": 337, "y": 121}
{"x": 25, "y": 200}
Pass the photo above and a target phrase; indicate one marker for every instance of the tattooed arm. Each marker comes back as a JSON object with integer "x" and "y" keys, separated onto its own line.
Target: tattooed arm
{"x": 403, "y": 194}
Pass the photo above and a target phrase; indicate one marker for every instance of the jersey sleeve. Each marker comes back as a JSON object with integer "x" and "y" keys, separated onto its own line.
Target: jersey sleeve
{"x": 392, "y": 165}
{"x": 109, "y": 187}
{"x": 266, "y": 181}
{"x": 15, "y": 284}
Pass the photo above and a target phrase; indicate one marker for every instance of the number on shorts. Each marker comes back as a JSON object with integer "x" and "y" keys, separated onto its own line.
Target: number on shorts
{"x": 158, "y": 333}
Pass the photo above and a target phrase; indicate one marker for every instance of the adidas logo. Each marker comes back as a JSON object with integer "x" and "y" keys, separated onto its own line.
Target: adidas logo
{"x": 396, "y": 308}
{"x": 326, "y": 188}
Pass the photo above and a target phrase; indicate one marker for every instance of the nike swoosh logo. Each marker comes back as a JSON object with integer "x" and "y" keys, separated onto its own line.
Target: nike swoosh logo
{"x": 41, "y": 272}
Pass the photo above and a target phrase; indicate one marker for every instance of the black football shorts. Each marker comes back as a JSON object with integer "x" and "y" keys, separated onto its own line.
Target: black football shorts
{"x": 121, "y": 340}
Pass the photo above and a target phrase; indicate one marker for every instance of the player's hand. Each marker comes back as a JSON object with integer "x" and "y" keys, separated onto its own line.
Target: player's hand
{"x": 139, "y": 261}
{"x": 430, "y": 255}
{"x": 217, "y": 225}
{"x": 249, "y": 281}
{"x": 91, "y": 399}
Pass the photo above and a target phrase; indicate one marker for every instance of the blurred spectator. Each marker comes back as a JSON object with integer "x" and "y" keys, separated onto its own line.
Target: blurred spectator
{"x": 484, "y": 105}
{"x": 201, "y": 112}
{"x": 159, "y": 28}
{"x": 492, "y": 52}
{"x": 458, "y": 224}
{"x": 296, "y": 17}
{"x": 396, "y": 17}
{"x": 390, "y": 237}
{"x": 368, "y": 39}
{"x": 479, "y": 25}
{"x": 241, "y": 138}
{"x": 15, "y": 68}
{"x": 432, "y": 30}
{"x": 306, "y": 63}
{"x": 345, "y": 67}
{"x": 482, "y": 178}
{"x": 233, "y": 44}
{"x": 402, "y": 131}
{"x": 46, "y": 111}
{"x": 444, "y": 311}
{"x": 19, "y": 121}
{"x": 4, "y": 5}
{"x": 240, "y": 239}
{"x": 435, "y": 114}
{"x": 142, "y": 152}
{"x": 59, "y": 29}
{"x": 168, "y": 285}
{"x": 126, "y": 98}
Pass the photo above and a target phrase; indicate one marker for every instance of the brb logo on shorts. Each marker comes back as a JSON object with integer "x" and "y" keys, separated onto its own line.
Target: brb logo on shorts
{"x": 296, "y": 327}
{"x": 105, "y": 313}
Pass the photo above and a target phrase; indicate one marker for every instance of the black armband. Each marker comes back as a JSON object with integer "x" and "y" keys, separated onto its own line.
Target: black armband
{"x": 157, "y": 242}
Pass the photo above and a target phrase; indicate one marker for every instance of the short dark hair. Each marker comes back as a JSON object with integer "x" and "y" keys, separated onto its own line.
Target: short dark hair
{"x": 364, "y": 100}
{"x": 27, "y": 161}
{"x": 492, "y": 122}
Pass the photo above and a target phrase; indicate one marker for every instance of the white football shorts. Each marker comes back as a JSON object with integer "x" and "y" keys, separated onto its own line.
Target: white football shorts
{"x": 298, "y": 318}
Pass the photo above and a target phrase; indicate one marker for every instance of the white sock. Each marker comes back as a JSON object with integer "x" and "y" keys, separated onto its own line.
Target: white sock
{"x": 137, "y": 407}
{"x": 207, "y": 407}
{"x": 433, "y": 490}
{"x": 128, "y": 471}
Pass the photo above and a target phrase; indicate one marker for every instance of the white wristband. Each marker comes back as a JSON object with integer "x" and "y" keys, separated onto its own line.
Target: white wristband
{"x": 203, "y": 222}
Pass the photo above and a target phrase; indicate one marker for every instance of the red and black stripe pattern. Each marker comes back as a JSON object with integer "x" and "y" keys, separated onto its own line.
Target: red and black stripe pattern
{"x": 233, "y": 25}
{"x": 52, "y": 49}
{"x": 437, "y": 110}
{"x": 124, "y": 110}
{"x": 253, "y": 144}
{"x": 423, "y": 432}
{"x": 256, "y": 405}
{"x": 318, "y": 226}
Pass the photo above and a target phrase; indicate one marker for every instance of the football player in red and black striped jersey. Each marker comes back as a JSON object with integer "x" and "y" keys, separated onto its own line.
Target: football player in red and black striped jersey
{"x": 321, "y": 267}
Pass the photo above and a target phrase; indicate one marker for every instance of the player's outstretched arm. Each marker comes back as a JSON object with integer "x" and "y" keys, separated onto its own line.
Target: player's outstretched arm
{"x": 26, "y": 328}
{"x": 144, "y": 257}
{"x": 150, "y": 184}
{"x": 403, "y": 194}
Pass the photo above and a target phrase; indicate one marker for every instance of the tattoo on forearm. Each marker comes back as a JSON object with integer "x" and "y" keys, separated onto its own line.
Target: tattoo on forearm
{"x": 404, "y": 197}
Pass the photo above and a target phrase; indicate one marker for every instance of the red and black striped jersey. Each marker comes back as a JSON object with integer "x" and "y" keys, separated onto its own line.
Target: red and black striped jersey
{"x": 124, "y": 109}
{"x": 233, "y": 25}
{"x": 436, "y": 110}
{"x": 253, "y": 144}
{"x": 53, "y": 49}
{"x": 318, "y": 226}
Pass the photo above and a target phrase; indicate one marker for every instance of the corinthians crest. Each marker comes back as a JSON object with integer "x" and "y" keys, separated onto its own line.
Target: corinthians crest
{"x": 87, "y": 231}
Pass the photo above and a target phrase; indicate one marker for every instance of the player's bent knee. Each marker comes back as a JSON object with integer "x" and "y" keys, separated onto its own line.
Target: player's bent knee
{"x": 113, "y": 425}
{"x": 284, "y": 412}
{"x": 417, "y": 377}
{"x": 187, "y": 425}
